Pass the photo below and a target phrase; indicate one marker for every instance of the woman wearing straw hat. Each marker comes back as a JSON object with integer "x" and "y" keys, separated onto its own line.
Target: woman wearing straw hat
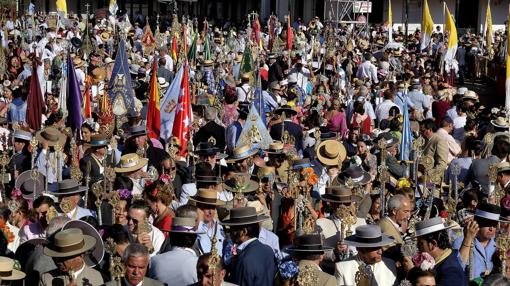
{"x": 68, "y": 250}
{"x": 130, "y": 166}
{"x": 368, "y": 241}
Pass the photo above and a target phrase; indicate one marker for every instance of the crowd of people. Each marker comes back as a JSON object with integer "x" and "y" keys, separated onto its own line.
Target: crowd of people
{"x": 312, "y": 154}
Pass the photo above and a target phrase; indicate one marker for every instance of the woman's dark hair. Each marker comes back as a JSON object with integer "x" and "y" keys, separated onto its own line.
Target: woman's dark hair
{"x": 313, "y": 119}
{"x": 496, "y": 279}
{"x": 122, "y": 182}
{"x": 358, "y": 107}
{"x": 42, "y": 200}
{"x": 501, "y": 148}
{"x": 441, "y": 238}
{"x": 394, "y": 111}
{"x": 91, "y": 220}
{"x": 157, "y": 191}
{"x": 118, "y": 233}
{"x": 416, "y": 273}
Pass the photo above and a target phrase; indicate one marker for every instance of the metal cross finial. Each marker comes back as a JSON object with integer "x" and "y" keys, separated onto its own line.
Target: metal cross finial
{"x": 87, "y": 8}
{"x": 157, "y": 19}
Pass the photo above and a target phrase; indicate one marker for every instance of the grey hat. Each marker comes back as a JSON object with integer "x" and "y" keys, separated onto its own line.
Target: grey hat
{"x": 30, "y": 187}
{"x": 369, "y": 236}
{"x": 137, "y": 131}
{"x": 244, "y": 216}
{"x": 429, "y": 226}
{"x": 95, "y": 255}
{"x": 22, "y": 135}
{"x": 69, "y": 187}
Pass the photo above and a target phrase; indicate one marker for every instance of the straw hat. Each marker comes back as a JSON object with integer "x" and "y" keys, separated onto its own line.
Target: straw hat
{"x": 503, "y": 166}
{"x": 7, "y": 271}
{"x": 241, "y": 183}
{"x": 243, "y": 216}
{"x": 207, "y": 197}
{"x": 99, "y": 74}
{"x": 275, "y": 147}
{"x": 131, "y": 162}
{"x": 22, "y": 135}
{"x": 500, "y": 122}
{"x": 470, "y": 95}
{"x": 241, "y": 153}
{"x": 105, "y": 36}
{"x": 369, "y": 236}
{"x": 69, "y": 242}
{"x": 78, "y": 62}
{"x": 331, "y": 153}
{"x": 162, "y": 82}
{"x": 51, "y": 136}
{"x": 207, "y": 63}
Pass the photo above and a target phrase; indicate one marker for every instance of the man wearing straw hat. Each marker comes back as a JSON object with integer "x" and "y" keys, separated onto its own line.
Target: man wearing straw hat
{"x": 310, "y": 252}
{"x": 206, "y": 201}
{"x": 178, "y": 266}
{"x": 254, "y": 262}
{"x": 368, "y": 241}
{"x": 432, "y": 235}
{"x": 68, "y": 250}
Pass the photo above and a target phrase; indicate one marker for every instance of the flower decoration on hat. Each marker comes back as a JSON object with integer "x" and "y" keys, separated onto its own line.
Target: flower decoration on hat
{"x": 309, "y": 176}
{"x": 288, "y": 269}
{"x": 505, "y": 202}
{"x": 125, "y": 194}
{"x": 16, "y": 193}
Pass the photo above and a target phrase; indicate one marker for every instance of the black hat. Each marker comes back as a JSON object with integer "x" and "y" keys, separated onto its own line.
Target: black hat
{"x": 287, "y": 109}
{"x": 69, "y": 187}
{"x": 489, "y": 212}
{"x": 244, "y": 216}
{"x": 206, "y": 149}
{"x": 356, "y": 173}
{"x": 309, "y": 243}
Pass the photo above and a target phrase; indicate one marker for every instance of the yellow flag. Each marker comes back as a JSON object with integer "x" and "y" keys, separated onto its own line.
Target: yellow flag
{"x": 62, "y": 6}
{"x": 453, "y": 41}
{"x": 390, "y": 22}
{"x": 488, "y": 26}
{"x": 507, "y": 82}
{"x": 427, "y": 25}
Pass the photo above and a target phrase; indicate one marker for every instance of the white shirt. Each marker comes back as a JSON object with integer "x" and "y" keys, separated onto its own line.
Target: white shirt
{"x": 78, "y": 272}
{"x": 382, "y": 111}
{"x": 80, "y": 76}
{"x": 458, "y": 127}
{"x": 367, "y": 71}
{"x": 245, "y": 244}
{"x": 270, "y": 239}
{"x": 157, "y": 239}
{"x": 169, "y": 63}
{"x": 302, "y": 77}
{"x": 243, "y": 92}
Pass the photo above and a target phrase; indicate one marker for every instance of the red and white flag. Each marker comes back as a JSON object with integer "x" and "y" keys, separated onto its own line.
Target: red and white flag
{"x": 183, "y": 115}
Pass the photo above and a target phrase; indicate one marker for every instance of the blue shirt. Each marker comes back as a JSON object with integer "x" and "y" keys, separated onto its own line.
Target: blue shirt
{"x": 17, "y": 111}
{"x": 204, "y": 240}
{"x": 482, "y": 258}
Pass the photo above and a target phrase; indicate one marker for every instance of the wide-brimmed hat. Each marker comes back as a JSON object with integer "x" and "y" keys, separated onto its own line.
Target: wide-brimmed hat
{"x": 78, "y": 62}
{"x": 105, "y": 36}
{"x": 390, "y": 140}
{"x": 26, "y": 248}
{"x": 7, "y": 270}
{"x": 241, "y": 183}
{"x": 51, "y": 136}
{"x": 22, "y": 135}
{"x": 356, "y": 174}
{"x": 184, "y": 225}
{"x": 137, "y": 131}
{"x": 470, "y": 95}
{"x": 76, "y": 42}
{"x": 99, "y": 74}
{"x": 130, "y": 162}
{"x": 503, "y": 166}
{"x": 162, "y": 82}
{"x": 331, "y": 153}
{"x": 241, "y": 153}
{"x": 98, "y": 140}
{"x": 275, "y": 147}
{"x": 301, "y": 164}
{"x": 207, "y": 197}
{"x": 338, "y": 194}
{"x": 68, "y": 187}
{"x": 289, "y": 111}
{"x": 206, "y": 149}
{"x": 69, "y": 242}
{"x": 429, "y": 226}
{"x": 308, "y": 243}
{"x": 500, "y": 122}
{"x": 369, "y": 236}
{"x": 29, "y": 185}
{"x": 97, "y": 251}
{"x": 243, "y": 216}
{"x": 489, "y": 212}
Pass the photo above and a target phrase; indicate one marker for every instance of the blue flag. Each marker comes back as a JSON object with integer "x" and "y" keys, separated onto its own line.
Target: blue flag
{"x": 254, "y": 131}
{"x": 120, "y": 82}
{"x": 74, "y": 98}
{"x": 407, "y": 138}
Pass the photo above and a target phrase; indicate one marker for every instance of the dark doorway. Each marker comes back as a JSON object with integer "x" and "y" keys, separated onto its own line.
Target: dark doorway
{"x": 469, "y": 12}
{"x": 376, "y": 16}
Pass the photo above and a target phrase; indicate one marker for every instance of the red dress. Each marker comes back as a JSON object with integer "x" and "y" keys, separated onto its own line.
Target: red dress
{"x": 164, "y": 224}
{"x": 365, "y": 124}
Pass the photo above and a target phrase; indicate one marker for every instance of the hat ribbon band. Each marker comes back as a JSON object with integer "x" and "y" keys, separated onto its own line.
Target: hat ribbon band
{"x": 71, "y": 248}
{"x": 49, "y": 137}
{"x": 242, "y": 218}
{"x": 98, "y": 142}
{"x": 357, "y": 179}
{"x": 206, "y": 200}
{"x": 68, "y": 190}
{"x": 368, "y": 239}
{"x": 183, "y": 228}
{"x": 487, "y": 215}
{"x": 129, "y": 165}
{"x": 243, "y": 154}
{"x": 5, "y": 273}
{"x": 430, "y": 229}
{"x": 310, "y": 247}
